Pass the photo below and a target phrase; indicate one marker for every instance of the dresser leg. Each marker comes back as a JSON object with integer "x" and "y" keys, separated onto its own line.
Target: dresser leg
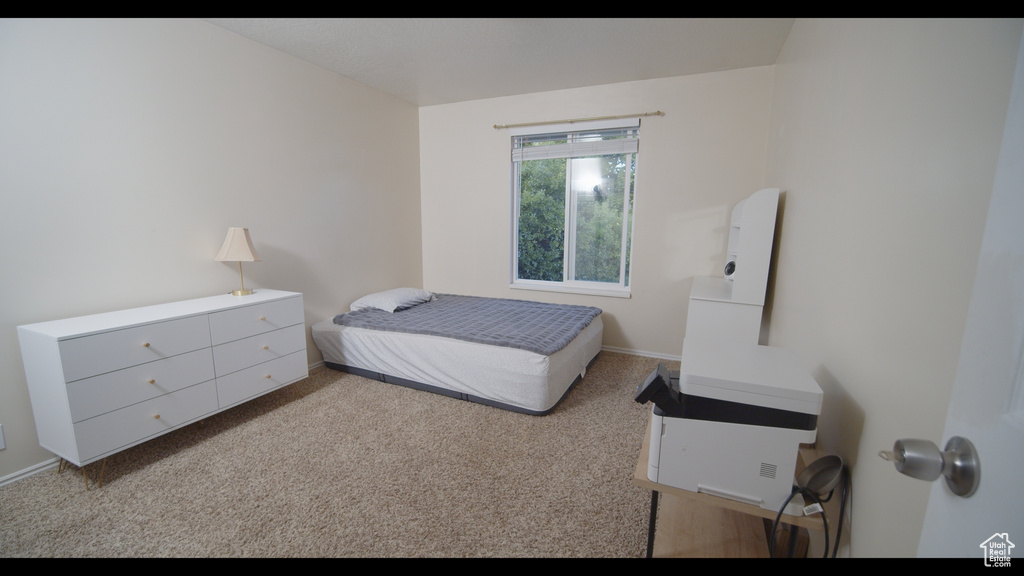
{"x": 103, "y": 467}
{"x": 99, "y": 481}
{"x": 63, "y": 464}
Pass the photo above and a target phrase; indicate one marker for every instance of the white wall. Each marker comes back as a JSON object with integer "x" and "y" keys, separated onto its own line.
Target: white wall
{"x": 128, "y": 147}
{"x": 885, "y": 138}
{"x": 695, "y": 163}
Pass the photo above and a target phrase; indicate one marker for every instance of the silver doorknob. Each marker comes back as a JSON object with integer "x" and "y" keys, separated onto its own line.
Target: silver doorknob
{"x": 923, "y": 460}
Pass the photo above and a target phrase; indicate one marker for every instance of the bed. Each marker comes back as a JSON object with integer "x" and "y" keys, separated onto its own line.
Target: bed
{"x": 517, "y": 355}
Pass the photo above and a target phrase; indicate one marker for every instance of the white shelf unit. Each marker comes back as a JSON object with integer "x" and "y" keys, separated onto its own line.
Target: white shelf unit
{"x": 730, "y": 307}
{"x": 102, "y": 383}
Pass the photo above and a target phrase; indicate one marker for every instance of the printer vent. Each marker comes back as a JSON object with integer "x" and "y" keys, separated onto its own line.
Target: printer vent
{"x": 768, "y": 470}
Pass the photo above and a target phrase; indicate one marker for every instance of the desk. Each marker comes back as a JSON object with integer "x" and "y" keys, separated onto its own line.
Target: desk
{"x": 702, "y": 525}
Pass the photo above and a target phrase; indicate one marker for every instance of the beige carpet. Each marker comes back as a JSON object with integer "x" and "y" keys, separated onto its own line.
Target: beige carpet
{"x": 341, "y": 466}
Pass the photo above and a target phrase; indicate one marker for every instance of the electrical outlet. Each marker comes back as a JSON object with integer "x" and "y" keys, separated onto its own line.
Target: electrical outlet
{"x": 2, "y": 445}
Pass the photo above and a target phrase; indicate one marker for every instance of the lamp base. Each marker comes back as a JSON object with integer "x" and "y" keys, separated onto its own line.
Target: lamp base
{"x": 244, "y": 292}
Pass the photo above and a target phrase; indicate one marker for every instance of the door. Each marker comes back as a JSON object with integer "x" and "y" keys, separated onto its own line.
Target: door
{"x": 987, "y": 404}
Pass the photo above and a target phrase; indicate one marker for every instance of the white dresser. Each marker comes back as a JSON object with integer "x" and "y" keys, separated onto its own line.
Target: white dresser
{"x": 105, "y": 382}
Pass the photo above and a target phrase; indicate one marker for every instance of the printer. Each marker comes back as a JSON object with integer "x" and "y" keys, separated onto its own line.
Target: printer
{"x": 730, "y": 422}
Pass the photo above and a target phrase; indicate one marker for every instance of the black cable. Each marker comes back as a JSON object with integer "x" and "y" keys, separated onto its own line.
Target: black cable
{"x": 842, "y": 514}
{"x": 842, "y": 510}
{"x": 778, "y": 517}
{"x": 824, "y": 517}
{"x": 775, "y": 524}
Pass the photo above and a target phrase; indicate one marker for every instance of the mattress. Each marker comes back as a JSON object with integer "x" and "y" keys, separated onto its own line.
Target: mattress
{"x": 540, "y": 327}
{"x": 499, "y": 375}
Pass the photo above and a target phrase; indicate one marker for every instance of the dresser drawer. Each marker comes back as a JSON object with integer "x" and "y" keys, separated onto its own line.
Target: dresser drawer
{"x": 245, "y": 321}
{"x": 262, "y": 378}
{"x": 93, "y": 396}
{"x": 122, "y": 428}
{"x": 239, "y": 354}
{"x": 108, "y": 351}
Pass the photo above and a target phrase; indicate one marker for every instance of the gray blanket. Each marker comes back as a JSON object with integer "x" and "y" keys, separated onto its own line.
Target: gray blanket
{"x": 535, "y": 326}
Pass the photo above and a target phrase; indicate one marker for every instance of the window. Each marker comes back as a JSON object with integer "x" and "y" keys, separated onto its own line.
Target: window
{"x": 573, "y": 187}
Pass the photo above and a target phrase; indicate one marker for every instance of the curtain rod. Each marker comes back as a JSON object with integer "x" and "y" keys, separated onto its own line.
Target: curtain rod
{"x": 574, "y": 120}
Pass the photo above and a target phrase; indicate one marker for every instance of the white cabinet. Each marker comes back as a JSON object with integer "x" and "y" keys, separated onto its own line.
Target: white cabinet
{"x": 714, "y": 313}
{"x": 730, "y": 307}
{"x": 105, "y": 382}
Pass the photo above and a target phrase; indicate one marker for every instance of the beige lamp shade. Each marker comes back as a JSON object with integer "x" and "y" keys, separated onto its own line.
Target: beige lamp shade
{"x": 238, "y": 248}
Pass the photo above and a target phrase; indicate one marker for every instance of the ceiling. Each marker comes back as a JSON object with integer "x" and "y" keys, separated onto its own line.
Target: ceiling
{"x": 429, "y": 61}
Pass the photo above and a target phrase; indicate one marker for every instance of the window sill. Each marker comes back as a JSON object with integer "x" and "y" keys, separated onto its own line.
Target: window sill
{"x": 571, "y": 289}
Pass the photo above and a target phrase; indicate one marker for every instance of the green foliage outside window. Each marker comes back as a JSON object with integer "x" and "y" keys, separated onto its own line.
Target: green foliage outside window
{"x": 542, "y": 219}
{"x": 599, "y": 217}
{"x": 600, "y": 210}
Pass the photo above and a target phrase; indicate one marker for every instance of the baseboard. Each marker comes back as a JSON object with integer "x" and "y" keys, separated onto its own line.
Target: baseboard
{"x": 641, "y": 353}
{"x": 30, "y": 471}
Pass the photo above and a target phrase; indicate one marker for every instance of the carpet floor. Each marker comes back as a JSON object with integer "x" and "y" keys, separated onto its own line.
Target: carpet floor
{"x": 341, "y": 466}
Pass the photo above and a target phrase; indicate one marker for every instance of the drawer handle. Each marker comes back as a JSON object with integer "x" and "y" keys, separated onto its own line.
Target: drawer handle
{"x": 267, "y": 376}
{"x": 263, "y": 317}
{"x": 156, "y": 416}
{"x": 266, "y": 347}
{"x": 151, "y": 381}
{"x": 146, "y": 344}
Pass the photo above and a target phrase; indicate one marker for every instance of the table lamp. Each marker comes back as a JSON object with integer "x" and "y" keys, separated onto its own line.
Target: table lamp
{"x": 238, "y": 248}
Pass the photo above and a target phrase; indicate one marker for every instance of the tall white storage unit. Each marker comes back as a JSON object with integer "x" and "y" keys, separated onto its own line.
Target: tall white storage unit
{"x": 731, "y": 307}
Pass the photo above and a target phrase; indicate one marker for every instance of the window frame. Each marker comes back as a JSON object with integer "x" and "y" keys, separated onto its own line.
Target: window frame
{"x": 567, "y": 284}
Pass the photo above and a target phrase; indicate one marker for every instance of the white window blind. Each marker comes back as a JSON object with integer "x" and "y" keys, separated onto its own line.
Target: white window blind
{"x": 573, "y": 140}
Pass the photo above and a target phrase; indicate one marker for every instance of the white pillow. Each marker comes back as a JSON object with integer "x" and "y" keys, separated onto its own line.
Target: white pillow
{"x": 391, "y": 300}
